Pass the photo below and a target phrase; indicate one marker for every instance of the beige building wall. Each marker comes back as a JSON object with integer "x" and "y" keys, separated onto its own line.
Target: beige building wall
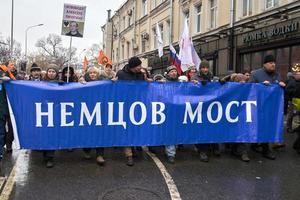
{"x": 138, "y": 38}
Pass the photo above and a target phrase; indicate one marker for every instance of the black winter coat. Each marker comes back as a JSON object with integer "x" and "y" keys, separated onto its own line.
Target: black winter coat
{"x": 126, "y": 74}
{"x": 293, "y": 89}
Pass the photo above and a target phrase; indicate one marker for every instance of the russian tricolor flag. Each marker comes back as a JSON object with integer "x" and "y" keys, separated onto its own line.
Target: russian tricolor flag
{"x": 175, "y": 60}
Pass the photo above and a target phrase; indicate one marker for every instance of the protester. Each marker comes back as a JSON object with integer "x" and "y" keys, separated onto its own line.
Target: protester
{"x": 94, "y": 75}
{"x": 107, "y": 73}
{"x": 50, "y": 76}
{"x": 204, "y": 76}
{"x": 131, "y": 71}
{"x": 247, "y": 73}
{"x": 293, "y": 90}
{"x": 72, "y": 75}
{"x": 9, "y": 136}
{"x": 266, "y": 75}
{"x": 171, "y": 76}
{"x": 192, "y": 71}
{"x": 159, "y": 78}
{"x": 240, "y": 149}
{"x": 5, "y": 75}
{"x": 147, "y": 74}
{"x": 35, "y": 73}
{"x": 288, "y": 105}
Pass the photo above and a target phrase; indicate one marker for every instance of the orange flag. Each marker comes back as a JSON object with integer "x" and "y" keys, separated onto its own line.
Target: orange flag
{"x": 85, "y": 63}
{"x": 103, "y": 59}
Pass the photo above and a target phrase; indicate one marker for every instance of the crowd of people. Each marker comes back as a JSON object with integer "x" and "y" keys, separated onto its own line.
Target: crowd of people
{"x": 134, "y": 71}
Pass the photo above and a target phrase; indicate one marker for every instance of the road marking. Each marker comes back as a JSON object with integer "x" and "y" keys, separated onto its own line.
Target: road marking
{"x": 168, "y": 178}
{"x": 8, "y": 188}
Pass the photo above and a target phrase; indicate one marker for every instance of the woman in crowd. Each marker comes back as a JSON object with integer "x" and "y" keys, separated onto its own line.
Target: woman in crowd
{"x": 93, "y": 74}
{"x": 50, "y": 76}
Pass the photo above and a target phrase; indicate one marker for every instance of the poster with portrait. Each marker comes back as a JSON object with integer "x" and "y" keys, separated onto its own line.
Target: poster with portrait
{"x": 73, "y": 20}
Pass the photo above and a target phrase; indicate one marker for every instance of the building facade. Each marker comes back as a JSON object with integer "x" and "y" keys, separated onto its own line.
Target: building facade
{"x": 233, "y": 35}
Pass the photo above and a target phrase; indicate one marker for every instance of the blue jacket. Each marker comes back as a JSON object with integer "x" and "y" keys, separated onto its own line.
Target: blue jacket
{"x": 260, "y": 75}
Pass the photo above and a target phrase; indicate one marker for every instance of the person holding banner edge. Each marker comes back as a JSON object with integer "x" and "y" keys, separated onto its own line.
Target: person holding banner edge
{"x": 51, "y": 76}
{"x": 93, "y": 74}
{"x": 5, "y": 75}
{"x": 266, "y": 75}
{"x": 131, "y": 71}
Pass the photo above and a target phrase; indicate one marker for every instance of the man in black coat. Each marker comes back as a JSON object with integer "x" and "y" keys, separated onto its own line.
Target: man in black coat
{"x": 266, "y": 75}
{"x": 293, "y": 91}
{"x": 131, "y": 71}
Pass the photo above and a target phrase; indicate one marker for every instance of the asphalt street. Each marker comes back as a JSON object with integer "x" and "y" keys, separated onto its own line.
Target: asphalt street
{"x": 74, "y": 178}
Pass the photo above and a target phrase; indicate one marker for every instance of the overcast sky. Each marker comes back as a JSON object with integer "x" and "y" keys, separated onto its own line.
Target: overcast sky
{"x": 50, "y": 13}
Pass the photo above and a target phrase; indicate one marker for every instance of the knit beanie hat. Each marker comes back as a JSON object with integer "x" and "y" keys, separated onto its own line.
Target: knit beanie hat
{"x": 269, "y": 58}
{"x": 54, "y": 67}
{"x": 204, "y": 63}
{"x": 134, "y": 62}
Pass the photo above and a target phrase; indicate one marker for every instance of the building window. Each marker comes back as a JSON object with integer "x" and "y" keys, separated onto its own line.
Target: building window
{"x": 168, "y": 33}
{"x": 124, "y": 22}
{"x": 117, "y": 56}
{"x": 198, "y": 11}
{"x": 155, "y": 3}
{"x": 128, "y": 50}
{"x": 123, "y": 50}
{"x": 144, "y": 7}
{"x": 213, "y": 13}
{"x": 129, "y": 21}
{"x": 154, "y": 38}
{"x": 143, "y": 45}
{"x": 161, "y": 27}
{"x": 271, "y": 3}
{"x": 247, "y": 8}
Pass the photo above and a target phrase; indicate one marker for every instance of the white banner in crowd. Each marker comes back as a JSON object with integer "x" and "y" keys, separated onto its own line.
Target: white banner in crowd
{"x": 73, "y": 20}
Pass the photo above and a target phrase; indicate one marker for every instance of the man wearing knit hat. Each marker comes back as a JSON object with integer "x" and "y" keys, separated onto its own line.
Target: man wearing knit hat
{"x": 204, "y": 76}
{"x": 131, "y": 71}
{"x": 266, "y": 75}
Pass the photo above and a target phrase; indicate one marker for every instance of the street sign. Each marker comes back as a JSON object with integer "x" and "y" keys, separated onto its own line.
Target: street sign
{"x": 73, "y": 20}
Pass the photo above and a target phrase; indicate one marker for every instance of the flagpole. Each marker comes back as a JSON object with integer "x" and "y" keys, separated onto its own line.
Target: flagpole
{"x": 70, "y": 51}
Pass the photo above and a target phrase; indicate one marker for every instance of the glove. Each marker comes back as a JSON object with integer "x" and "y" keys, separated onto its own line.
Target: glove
{"x": 203, "y": 83}
{"x": 222, "y": 82}
{"x": 60, "y": 82}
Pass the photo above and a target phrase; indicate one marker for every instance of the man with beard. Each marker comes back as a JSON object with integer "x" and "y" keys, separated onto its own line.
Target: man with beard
{"x": 266, "y": 75}
{"x": 131, "y": 71}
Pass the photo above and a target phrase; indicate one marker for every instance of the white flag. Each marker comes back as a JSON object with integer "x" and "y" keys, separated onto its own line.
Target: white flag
{"x": 159, "y": 41}
{"x": 196, "y": 58}
{"x": 185, "y": 53}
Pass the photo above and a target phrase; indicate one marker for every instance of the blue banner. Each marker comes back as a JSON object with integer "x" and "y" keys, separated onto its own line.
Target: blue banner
{"x": 134, "y": 113}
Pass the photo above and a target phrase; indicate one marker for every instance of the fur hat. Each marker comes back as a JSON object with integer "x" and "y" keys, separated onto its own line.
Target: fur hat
{"x": 170, "y": 68}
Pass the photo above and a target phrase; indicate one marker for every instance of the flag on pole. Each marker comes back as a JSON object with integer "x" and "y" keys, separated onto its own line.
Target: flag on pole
{"x": 175, "y": 60}
{"x": 185, "y": 44}
{"x": 85, "y": 63}
{"x": 159, "y": 41}
{"x": 103, "y": 59}
{"x": 195, "y": 57}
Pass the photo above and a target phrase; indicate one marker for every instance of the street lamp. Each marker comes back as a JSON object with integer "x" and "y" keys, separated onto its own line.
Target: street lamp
{"x": 26, "y": 37}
